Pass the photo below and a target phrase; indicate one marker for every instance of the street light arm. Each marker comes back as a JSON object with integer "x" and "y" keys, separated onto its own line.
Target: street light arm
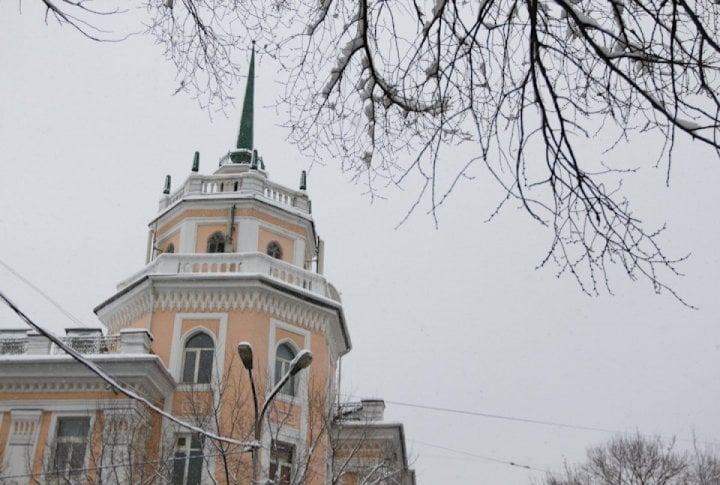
{"x": 301, "y": 360}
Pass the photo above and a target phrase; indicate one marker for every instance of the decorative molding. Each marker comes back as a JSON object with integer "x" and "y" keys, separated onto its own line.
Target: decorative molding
{"x": 24, "y": 427}
{"x": 231, "y": 299}
{"x": 51, "y": 387}
{"x": 122, "y": 315}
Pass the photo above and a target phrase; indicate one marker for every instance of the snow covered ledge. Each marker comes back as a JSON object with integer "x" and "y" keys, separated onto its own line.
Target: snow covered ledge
{"x": 135, "y": 341}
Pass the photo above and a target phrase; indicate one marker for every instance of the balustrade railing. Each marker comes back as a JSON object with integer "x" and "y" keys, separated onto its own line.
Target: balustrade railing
{"x": 236, "y": 263}
{"x": 91, "y": 345}
{"x": 250, "y": 183}
{"x": 13, "y": 346}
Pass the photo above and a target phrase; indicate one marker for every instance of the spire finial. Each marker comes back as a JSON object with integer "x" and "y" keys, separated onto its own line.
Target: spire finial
{"x": 245, "y": 135}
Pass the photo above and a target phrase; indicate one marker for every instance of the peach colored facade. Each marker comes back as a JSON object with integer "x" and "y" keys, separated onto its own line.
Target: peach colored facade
{"x": 232, "y": 258}
{"x": 239, "y": 293}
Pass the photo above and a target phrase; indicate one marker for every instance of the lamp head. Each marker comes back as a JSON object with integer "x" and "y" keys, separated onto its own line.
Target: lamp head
{"x": 301, "y": 360}
{"x": 246, "y": 354}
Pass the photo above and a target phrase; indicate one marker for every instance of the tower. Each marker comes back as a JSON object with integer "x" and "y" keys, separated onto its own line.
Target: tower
{"x": 231, "y": 260}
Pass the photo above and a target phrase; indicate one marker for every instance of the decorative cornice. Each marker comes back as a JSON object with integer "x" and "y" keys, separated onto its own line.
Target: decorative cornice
{"x": 51, "y": 387}
{"x": 122, "y": 315}
{"x": 241, "y": 299}
{"x": 194, "y": 299}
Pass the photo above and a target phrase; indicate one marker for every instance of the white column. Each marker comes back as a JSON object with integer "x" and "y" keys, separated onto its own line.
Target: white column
{"x": 247, "y": 235}
{"x": 24, "y": 426}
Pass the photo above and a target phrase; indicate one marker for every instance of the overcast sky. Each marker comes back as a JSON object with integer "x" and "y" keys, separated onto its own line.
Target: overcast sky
{"x": 455, "y": 318}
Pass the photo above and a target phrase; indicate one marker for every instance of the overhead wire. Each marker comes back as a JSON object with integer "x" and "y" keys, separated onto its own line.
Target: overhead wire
{"x": 482, "y": 457}
{"x": 115, "y": 385}
{"x": 502, "y": 417}
{"x": 59, "y": 307}
{"x": 537, "y": 421}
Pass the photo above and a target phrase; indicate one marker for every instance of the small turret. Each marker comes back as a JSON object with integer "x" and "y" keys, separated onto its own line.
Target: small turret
{"x": 196, "y": 162}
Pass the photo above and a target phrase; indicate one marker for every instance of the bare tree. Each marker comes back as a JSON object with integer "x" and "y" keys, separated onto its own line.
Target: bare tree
{"x": 544, "y": 93}
{"x": 637, "y": 459}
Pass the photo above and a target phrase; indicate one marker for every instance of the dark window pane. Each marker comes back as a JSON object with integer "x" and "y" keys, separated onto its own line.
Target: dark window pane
{"x": 62, "y": 456}
{"x": 77, "y": 427}
{"x": 274, "y": 250}
{"x": 205, "y": 368}
{"x": 179, "y": 468}
{"x": 285, "y": 352}
{"x": 216, "y": 243}
{"x": 195, "y": 468}
{"x": 285, "y": 475}
{"x": 200, "y": 341}
{"x": 189, "y": 367}
{"x": 289, "y": 387}
{"x": 273, "y": 469}
{"x": 77, "y": 456}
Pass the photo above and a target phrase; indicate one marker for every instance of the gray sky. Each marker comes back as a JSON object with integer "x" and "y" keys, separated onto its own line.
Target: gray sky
{"x": 452, "y": 318}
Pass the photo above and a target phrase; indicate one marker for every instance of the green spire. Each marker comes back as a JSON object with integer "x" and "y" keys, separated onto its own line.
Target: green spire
{"x": 245, "y": 135}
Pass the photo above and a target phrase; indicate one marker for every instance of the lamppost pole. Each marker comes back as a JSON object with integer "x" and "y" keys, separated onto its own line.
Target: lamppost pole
{"x": 302, "y": 360}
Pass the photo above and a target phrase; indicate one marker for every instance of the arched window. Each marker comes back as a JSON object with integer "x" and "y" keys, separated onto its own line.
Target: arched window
{"x": 170, "y": 248}
{"x": 283, "y": 357}
{"x": 198, "y": 359}
{"x": 216, "y": 243}
{"x": 274, "y": 249}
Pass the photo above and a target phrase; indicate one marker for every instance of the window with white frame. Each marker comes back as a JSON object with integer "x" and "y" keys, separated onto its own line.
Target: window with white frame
{"x": 281, "y": 463}
{"x": 283, "y": 357}
{"x": 71, "y": 439}
{"x": 198, "y": 358}
{"x": 275, "y": 250}
{"x": 188, "y": 460}
{"x": 216, "y": 243}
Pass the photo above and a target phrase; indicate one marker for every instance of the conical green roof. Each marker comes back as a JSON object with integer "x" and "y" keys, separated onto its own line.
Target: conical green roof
{"x": 245, "y": 135}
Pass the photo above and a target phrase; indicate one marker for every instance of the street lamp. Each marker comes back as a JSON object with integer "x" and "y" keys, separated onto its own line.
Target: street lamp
{"x": 302, "y": 360}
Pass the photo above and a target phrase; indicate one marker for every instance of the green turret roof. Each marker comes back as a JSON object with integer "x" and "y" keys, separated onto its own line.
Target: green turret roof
{"x": 245, "y": 135}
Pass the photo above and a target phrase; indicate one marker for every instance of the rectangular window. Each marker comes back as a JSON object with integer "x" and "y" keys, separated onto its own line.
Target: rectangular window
{"x": 188, "y": 460}
{"x": 70, "y": 447}
{"x": 281, "y": 462}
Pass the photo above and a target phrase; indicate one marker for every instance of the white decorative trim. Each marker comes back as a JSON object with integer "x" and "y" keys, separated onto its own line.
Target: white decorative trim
{"x": 301, "y": 395}
{"x": 136, "y": 307}
{"x": 168, "y": 235}
{"x": 178, "y": 341}
{"x": 229, "y": 299}
{"x": 287, "y": 433}
{"x": 78, "y": 413}
{"x": 188, "y": 235}
{"x": 70, "y": 405}
{"x": 24, "y": 426}
{"x": 53, "y": 387}
{"x": 248, "y": 234}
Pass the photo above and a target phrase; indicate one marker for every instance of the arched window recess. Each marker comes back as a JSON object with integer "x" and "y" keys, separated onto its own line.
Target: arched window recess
{"x": 284, "y": 355}
{"x": 198, "y": 357}
{"x": 274, "y": 250}
{"x": 216, "y": 243}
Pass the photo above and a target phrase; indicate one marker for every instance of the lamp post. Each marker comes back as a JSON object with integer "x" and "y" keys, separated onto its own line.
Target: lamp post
{"x": 302, "y": 360}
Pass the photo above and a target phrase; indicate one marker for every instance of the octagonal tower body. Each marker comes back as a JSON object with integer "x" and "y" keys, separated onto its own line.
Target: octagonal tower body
{"x": 230, "y": 259}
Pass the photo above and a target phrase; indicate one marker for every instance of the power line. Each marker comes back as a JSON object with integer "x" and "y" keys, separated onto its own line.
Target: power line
{"x": 533, "y": 421}
{"x": 503, "y": 417}
{"x": 115, "y": 385}
{"x": 482, "y": 457}
{"x": 65, "y": 312}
